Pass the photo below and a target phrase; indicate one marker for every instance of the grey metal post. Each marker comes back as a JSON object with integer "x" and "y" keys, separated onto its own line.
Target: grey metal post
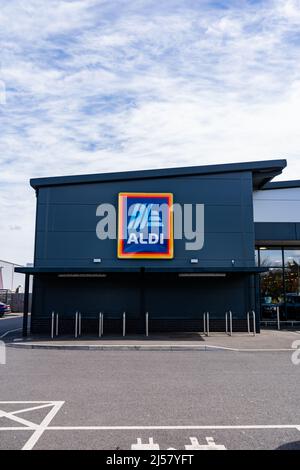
{"x": 56, "y": 329}
{"x": 230, "y": 322}
{"x": 79, "y": 324}
{"x": 248, "y": 322}
{"x": 26, "y": 305}
{"x": 100, "y": 325}
{"x": 204, "y": 323}
{"x": 207, "y": 323}
{"x": 52, "y": 325}
{"x": 124, "y": 323}
{"x": 278, "y": 318}
{"x": 147, "y": 324}
{"x": 226, "y": 323}
{"x": 254, "y": 323}
{"x": 76, "y": 324}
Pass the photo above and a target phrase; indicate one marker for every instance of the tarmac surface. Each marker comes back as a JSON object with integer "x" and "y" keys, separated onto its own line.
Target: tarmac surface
{"x": 115, "y": 399}
{"x": 156, "y": 400}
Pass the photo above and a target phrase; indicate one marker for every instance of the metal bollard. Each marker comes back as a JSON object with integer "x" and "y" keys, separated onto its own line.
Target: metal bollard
{"x": 52, "y": 325}
{"x": 230, "y": 322}
{"x": 79, "y": 324}
{"x": 206, "y": 323}
{"x": 56, "y": 330}
{"x": 100, "y": 325}
{"x": 124, "y": 324}
{"x": 248, "y": 322}
{"x": 147, "y": 324}
{"x": 278, "y": 318}
{"x": 254, "y": 323}
{"x": 76, "y": 324}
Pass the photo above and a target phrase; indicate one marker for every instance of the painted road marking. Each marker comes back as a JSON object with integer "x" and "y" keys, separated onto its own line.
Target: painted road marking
{"x": 149, "y": 446}
{"x": 166, "y": 428}
{"x": 195, "y": 445}
{"x": 210, "y": 444}
{"x": 42, "y": 427}
{"x": 9, "y": 331}
{"x": 38, "y": 428}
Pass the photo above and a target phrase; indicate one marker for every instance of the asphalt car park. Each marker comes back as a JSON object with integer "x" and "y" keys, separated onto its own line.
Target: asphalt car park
{"x": 193, "y": 400}
{"x": 10, "y": 323}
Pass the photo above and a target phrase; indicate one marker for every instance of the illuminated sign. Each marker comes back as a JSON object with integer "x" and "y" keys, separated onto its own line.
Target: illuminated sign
{"x": 145, "y": 225}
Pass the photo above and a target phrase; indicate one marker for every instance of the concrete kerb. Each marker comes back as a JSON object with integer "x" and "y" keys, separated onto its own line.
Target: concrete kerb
{"x": 266, "y": 342}
{"x": 139, "y": 347}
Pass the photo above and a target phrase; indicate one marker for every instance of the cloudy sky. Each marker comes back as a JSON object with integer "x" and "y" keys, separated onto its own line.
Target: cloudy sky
{"x": 94, "y": 85}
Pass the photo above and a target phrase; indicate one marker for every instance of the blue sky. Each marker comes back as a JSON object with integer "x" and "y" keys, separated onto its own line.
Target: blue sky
{"x": 94, "y": 85}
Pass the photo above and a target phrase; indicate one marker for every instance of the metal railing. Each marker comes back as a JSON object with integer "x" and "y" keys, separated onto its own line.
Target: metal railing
{"x": 58, "y": 323}
{"x": 282, "y": 322}
{"x": 230, "y": 323}
{"x": 278, "y": 322}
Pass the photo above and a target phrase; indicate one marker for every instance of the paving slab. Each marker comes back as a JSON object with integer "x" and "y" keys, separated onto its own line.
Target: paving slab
{"x": 267, "y": 340}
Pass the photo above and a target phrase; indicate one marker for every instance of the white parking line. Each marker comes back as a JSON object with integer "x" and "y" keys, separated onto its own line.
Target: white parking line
{"x": 9, "y": 331}
{"x": 40, "y": 428}
{"x": 201, "y": 427}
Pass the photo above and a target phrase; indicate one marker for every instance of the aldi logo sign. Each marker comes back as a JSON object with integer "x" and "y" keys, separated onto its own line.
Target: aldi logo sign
{"x": 145, "y": 228}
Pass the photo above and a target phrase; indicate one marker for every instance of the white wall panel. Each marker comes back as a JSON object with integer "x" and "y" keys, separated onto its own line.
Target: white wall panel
{"x": 277, "y": 205}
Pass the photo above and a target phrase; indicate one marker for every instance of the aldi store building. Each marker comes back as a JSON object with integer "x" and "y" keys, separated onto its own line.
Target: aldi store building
{"x": 174, "y": 243}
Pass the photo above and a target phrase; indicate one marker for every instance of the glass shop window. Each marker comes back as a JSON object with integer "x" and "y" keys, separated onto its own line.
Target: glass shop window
{"x": 271, "y": 257}
{"x": 292, "y": 284}
{"x": 272, "y": 293}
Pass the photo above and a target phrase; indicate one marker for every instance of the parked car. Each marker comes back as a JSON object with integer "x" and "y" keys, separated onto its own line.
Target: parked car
{"x": 4, "y": 308}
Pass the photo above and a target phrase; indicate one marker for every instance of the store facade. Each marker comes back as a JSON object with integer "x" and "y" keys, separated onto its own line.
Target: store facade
{"x": 172, "y": 243}
{"x": 277, "y": 233}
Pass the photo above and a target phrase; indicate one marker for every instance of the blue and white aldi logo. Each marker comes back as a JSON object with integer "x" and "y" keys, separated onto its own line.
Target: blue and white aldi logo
{"x": 145, "y": 228}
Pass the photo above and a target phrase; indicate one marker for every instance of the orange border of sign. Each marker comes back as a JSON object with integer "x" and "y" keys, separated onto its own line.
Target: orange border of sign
{"x": 141, "y": 255}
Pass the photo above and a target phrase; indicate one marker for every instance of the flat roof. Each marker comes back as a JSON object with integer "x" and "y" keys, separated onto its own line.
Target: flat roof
{"x": 282, "y": 184}
{"x": 263, "y": 172}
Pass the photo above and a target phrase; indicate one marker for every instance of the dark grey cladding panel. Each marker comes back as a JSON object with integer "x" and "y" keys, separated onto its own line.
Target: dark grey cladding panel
{"x": 82, "y": 218}
{"x": 219, "y": 249}
{"x": 224, "y": 189}
{"x": 114, "y": 295}
{"x": 273, "y": 231}
{"x": 67, "y": 221}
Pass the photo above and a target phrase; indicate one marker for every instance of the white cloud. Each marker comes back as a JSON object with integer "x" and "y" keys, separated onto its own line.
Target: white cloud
{"x": 105, "y": 86}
